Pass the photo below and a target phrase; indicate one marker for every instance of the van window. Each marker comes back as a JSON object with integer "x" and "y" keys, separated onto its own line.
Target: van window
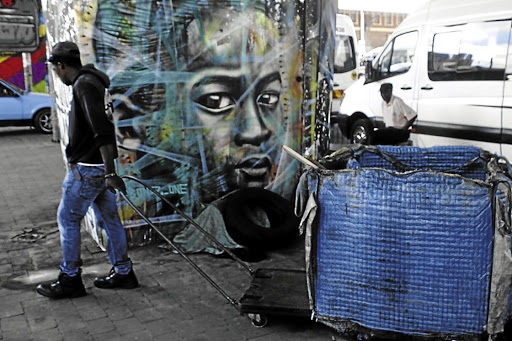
{"x": 508, "y": 71}
{"x": 471, "y": 52}
{"x": 398, "y": 55}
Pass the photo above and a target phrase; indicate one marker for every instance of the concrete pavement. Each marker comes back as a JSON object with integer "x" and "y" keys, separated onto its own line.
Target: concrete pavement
{"x": 173, "y": 302}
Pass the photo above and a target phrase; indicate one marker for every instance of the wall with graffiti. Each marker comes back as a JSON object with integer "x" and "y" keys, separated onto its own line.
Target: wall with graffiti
{"x": 12, "y": 68}
{"x": 206, "y": 93}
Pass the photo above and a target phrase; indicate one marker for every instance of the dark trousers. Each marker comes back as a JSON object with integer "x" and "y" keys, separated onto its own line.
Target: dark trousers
{"x": 390, "y": 136}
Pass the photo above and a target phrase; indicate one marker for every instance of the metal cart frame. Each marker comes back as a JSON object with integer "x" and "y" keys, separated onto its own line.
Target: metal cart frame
{"x": 271, "y": 292}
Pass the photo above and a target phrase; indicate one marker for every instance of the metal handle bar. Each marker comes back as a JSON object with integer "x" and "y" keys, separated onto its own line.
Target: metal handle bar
{"x": 191, "y": 221}
{"x": 233, "y": 302}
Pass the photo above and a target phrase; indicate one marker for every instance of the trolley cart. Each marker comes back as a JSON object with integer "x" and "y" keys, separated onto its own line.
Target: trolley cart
{"x": 271, "y": 292}
{"x": 275, "y": 292}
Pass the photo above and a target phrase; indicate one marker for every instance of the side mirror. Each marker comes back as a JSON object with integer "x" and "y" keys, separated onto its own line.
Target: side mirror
{"x": 369, "y": 72}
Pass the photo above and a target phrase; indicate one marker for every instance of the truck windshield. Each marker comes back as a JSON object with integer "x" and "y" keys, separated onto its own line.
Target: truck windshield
{"x": 345, "y": 58}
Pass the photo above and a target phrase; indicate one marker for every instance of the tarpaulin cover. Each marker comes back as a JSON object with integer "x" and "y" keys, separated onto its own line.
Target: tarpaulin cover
{"x": 408, "y": 251}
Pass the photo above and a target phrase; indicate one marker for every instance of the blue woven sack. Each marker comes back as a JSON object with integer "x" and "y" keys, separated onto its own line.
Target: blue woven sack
{"x": 403, "y": 241}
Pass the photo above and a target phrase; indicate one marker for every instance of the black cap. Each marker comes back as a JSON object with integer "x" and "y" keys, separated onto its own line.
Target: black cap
{"x": 65, "y": 50}
{"x": 386, "y": 87}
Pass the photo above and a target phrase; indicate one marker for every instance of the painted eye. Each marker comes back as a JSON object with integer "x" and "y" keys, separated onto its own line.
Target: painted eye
{"x": 269, "y": 99}
{"x": 216, "y": 102}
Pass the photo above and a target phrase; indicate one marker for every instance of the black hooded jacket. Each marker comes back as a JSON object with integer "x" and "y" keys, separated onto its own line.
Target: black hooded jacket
{"x": 89, "y": 126}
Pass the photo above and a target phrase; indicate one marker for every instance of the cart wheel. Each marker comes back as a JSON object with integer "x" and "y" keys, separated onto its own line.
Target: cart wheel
{"x": 258, "y": 320}
{"x": 363, "y": 337}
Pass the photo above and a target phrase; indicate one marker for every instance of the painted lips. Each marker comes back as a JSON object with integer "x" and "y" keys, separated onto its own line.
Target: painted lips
{"x": 255, "y": 168}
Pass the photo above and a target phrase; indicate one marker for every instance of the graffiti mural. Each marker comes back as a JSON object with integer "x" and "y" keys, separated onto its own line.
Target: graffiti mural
{"x": 12, "y": 69}
{"x": 206, "y": 93}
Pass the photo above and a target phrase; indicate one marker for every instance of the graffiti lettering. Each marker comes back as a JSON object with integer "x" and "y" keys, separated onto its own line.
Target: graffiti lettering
{"x": 16, "y": 33}
{"x": 170, "y": 189}
{"x": 174, "y": 189}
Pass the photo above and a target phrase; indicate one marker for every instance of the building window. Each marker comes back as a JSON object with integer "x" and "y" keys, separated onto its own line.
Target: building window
{"x": 377, "y": 19}
{"x": 388, "y": 19}
{"x": 399, "y": 18}
{"x": 354, "y": 16}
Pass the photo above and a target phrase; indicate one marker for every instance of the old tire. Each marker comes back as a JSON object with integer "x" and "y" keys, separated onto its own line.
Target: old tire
{"x": 245, "y": 231}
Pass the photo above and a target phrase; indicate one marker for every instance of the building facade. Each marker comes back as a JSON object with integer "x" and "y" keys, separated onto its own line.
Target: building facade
{"x": 377, "y": 25}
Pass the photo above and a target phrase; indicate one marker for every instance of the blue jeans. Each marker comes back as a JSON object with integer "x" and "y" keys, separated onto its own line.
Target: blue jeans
{"x": 84, "y": 186}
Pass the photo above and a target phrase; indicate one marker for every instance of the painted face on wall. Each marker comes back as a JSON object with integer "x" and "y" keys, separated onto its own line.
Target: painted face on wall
{"x": 235, "y": 94}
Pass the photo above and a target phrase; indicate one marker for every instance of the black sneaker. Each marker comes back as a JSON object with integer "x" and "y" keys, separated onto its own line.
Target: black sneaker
{"x": 114, "y": 281}
{"x": 64, "y": 287}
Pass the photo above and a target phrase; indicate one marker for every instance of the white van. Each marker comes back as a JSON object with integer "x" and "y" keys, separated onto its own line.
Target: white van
{"x": 451, "y": 62}
{"x": 346, "y": 59}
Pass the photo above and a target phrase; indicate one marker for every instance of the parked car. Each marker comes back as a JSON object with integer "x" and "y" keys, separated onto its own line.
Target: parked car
{"x": 23, "y": 108}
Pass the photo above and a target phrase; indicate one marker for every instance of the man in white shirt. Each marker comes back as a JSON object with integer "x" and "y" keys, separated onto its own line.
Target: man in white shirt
{"x": 396, "y": 113}
{"x": 398, "y": 117}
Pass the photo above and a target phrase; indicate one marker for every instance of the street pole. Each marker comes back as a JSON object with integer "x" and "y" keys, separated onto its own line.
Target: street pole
{"x": 27, "y": 70}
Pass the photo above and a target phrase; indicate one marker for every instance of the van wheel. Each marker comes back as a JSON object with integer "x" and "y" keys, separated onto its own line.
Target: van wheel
{"x": 361, "y": 132}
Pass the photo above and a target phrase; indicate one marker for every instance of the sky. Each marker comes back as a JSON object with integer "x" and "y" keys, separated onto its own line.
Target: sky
{"x": 400, "y": 6}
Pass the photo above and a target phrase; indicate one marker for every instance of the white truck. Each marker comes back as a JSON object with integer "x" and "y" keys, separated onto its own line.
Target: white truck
{"x": 346, "y": 61}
